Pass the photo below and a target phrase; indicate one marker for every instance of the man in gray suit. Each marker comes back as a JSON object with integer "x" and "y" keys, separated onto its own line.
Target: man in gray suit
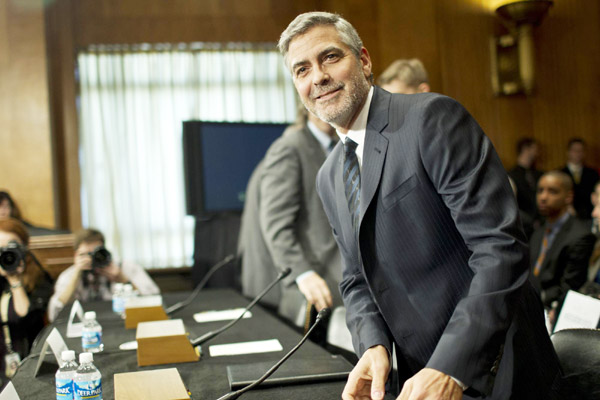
{"x": 434, "y": 259}
{"x": 284, "y": 225}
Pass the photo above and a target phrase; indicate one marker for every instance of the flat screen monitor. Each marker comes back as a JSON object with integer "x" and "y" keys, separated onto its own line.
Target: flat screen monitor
{"x": 219, "y": 158}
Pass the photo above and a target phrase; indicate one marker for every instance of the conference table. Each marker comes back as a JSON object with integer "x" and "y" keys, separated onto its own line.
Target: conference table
{"x": 205, "y": 379}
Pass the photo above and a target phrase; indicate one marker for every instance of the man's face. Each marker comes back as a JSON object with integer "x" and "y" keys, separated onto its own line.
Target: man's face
{"x": 331, "y": 81}
{"x": 552, "y": 197}
{"x": 397, "y": 86}
{"x": 576, "y": 153}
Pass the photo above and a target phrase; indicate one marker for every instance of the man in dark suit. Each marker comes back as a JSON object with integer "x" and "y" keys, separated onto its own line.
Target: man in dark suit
{"x": 525, "y": 177}
{"x": 584, "y": 178}
{"x": 561, "y": 249}
{"x": 434, "y": 262}
{"x": 284, "y": 225}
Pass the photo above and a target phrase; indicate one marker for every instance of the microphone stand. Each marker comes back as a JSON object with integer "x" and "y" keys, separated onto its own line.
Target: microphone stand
{"x": 209, "y": 335}
{"x": 178, "y": 306}
{"x": 323, "y": 315}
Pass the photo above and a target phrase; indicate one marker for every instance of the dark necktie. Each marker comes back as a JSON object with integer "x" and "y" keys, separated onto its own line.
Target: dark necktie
{"x": 352, "y": 181}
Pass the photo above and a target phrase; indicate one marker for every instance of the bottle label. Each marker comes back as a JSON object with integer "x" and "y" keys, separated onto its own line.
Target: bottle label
{"x": 91, "y": 340}
{"x": 88, "y": 390}
{"x": 64, "y": 389}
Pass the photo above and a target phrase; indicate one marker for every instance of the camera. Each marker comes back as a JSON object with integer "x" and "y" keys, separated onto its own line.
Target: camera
{"x": 100, "y": 257}
{"x": 11, "y": 256}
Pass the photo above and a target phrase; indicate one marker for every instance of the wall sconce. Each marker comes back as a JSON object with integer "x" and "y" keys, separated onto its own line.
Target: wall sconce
{"x": 513, "y": 57}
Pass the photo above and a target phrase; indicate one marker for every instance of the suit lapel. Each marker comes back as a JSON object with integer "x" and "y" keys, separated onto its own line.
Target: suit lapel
{"x": 375, "y": 148}
{"x": 314, "y": 146}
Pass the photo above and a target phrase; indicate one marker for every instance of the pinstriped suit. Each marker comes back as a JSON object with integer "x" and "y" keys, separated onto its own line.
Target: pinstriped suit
{"x": 440, "y": 266}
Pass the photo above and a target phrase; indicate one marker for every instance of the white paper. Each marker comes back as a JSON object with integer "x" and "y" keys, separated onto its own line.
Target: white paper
{"x": 578, "y": 311}
{"x": 75, "y": 329}
{"x": 144, "y": 301}
{"x": 9, "y": 392}
{"x": 259, "y": 346}
{"x": 223, "y": 315}
{"x": 57, "y": 345}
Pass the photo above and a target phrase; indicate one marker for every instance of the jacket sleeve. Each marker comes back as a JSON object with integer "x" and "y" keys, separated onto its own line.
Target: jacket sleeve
{"x": 468, "y": 175}
{"x": 280, "y": 205}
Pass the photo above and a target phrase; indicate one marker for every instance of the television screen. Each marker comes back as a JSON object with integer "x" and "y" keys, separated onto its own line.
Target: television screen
{"x": 219, "y": 158}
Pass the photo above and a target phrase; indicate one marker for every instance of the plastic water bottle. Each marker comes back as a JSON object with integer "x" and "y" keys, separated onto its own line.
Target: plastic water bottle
{"x": 118, "y": 302}
{"x": 91, "y": 338}
{"x": 65, "y": 375}
{"x": 87, "y": 383}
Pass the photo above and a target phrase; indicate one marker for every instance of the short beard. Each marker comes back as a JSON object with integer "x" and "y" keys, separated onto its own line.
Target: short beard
{"x": 341, "y": 115}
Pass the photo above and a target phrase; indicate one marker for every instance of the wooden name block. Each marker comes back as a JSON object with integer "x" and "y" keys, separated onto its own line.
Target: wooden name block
{"x": 163, "y": 342}
{"x": 160, "y": 384}
{"x": 143, "y": 309}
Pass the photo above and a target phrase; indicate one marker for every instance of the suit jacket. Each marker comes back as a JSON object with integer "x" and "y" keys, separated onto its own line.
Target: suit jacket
{"x": 583, "y": 190}
{"x": 440, "y": 264}
{"x": 283, "y": 224}
{"x": 565, "y": 265}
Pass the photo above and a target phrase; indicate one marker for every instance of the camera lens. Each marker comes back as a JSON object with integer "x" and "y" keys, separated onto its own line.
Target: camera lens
{"x": 11, "y": 256}
{"x": 100, "y": 257}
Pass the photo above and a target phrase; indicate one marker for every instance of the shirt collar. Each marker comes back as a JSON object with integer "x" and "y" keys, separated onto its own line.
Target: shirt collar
{"x": 555, "y": 227}
{"x": 323, "y": 138}
{"x": 574, "y": 167}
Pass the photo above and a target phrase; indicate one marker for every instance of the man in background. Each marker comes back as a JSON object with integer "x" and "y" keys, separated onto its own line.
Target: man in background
{"x": 561, "y": 249}
{"x": 284, "y": 225}
{"x": 584, "y": 178}
{"x": 405, "y": 76}
{"x": 525, "y": 177}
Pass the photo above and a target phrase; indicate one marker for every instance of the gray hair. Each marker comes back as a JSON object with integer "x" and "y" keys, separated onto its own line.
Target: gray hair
{"x": 410, "y": 72}
{"x": 304, "y": 22}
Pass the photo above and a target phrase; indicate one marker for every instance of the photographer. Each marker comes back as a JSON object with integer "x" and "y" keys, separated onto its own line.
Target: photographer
{"x": 24, "y": 297}
{"x": 93, "y": 274}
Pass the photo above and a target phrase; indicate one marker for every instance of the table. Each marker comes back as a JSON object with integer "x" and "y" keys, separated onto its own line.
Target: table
{"x": 205, "y": 379}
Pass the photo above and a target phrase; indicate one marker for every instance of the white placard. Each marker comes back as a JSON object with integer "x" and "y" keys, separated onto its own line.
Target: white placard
{"x": 9, "y": 392}
{"x": 223, "y": 315}
{"x": 578, "y": 311}
{"x": 75, "y": 329}
{"x": 232, "y": 349}
{"x": 57, "y": 345}
{"x": 144, "y": 301}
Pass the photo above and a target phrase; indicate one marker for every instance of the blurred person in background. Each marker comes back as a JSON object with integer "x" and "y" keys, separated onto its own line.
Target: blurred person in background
{"x": 10, "y": 209}
{"x": 93, "y": 274}
{"x": 584, "y": 178}
{"x": 405, "y": 77}
{"x": 25, "y": 292}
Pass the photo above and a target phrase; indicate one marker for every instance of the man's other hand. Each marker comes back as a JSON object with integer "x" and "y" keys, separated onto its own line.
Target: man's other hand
{"x": 367, "y": 379}
{"x": 430, "y": 384}
{"x": 316, "y": 291}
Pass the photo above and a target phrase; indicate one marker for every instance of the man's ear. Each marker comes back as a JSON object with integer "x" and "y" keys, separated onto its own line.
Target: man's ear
{"x": 570, "y": 196}
{"x": 365, "y": 61}
{"x": 424, "y": 88}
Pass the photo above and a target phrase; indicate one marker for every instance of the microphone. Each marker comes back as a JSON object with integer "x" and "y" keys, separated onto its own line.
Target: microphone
{"x": 178, "y": 306}
{"x": 209, "y": 335}
{"x": 321, "y": 316}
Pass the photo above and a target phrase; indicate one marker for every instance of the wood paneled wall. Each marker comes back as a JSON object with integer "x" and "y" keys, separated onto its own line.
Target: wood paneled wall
{"x": 25, "y": 146}
{"x": 450, "y": 36}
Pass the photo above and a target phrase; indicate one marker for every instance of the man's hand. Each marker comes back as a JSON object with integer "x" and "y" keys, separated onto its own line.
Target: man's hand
{"x": 367, "y": 379}
{"x": 112, "y": 272}
{"x": 316, "y": 291}
{"x": 430, "y": 384}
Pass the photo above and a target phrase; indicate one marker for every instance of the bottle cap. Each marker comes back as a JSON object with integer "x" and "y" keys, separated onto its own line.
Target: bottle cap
{"x": 67, "y": 355}
{"x": 89, "y": 315}
{"x": 86, "y": 358}
{"x": 118, "y": 286}
{"x": 128, "y": 287}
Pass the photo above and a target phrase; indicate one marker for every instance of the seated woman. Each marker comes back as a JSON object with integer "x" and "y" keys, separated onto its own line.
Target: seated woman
{"x": 86, "y": 281}
{"x": 25, "y": 293}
